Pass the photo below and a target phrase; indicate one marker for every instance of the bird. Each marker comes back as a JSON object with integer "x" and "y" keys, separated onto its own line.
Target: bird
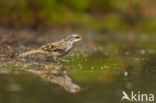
{"x": 55, "y": 49}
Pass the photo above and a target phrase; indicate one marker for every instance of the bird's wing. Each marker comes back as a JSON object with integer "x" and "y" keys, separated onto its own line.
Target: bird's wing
{"x": 54, "y": 47}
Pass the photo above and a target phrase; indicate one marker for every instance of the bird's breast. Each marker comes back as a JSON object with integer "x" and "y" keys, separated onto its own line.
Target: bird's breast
{"x": 69, "y": 48}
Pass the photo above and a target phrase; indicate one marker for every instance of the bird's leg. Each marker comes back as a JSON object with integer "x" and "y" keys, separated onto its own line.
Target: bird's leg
{"x": 53, "y": 57}
{"x": 56, "y": 60}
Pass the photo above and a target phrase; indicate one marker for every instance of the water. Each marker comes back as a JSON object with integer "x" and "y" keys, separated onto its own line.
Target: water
{"x": 26, "y": 87}
{"x": 98, "y": 74}
{"x": 97, "y": 86}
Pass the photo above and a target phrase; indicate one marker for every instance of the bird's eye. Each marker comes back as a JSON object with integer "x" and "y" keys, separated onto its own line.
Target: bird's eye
{"x": 77, "y": 37}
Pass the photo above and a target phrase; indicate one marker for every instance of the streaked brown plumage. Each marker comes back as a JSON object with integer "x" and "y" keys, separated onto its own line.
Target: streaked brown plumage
{"x": 56, "y": 49}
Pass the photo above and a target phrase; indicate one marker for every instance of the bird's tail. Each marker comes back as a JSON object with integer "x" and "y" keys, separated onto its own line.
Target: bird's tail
{"x": 30, "y": 52}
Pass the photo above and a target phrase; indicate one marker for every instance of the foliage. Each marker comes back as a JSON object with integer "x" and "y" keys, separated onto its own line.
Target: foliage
{"x": 100, "y": 15}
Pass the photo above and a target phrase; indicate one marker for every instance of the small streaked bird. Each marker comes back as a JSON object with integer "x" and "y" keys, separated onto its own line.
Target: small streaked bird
{"x": 56, "y": 49}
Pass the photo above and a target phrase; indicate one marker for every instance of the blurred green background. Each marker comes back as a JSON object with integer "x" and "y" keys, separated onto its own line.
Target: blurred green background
{"x": 98, "y": 15}
{"x": 102, "y": 65}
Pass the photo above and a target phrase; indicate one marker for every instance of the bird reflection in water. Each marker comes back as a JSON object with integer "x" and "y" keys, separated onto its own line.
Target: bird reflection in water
{"x": 59, "y": 76}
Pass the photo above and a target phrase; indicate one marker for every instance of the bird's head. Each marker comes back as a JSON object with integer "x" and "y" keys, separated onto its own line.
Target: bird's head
{"x": 73, "y": 38}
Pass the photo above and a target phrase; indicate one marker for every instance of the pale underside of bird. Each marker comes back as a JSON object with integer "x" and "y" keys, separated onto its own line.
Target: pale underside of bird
{"x": 55, "y": 49}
